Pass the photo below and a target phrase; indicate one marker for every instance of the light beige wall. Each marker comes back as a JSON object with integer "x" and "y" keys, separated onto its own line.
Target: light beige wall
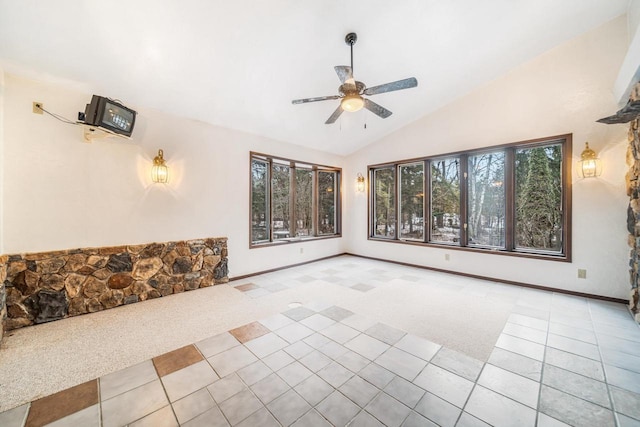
{"x": 1, "y": 157}
{"x": 562, "y": 91}
{"x": 61, "y": 192}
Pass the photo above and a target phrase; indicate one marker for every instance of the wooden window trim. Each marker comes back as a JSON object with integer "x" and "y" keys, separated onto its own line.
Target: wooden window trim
{"x": 510, "y": 249}
{"x": 293, "y": 166}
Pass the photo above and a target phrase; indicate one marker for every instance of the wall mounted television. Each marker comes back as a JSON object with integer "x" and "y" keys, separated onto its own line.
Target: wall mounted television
{"x": 109, "y": 114}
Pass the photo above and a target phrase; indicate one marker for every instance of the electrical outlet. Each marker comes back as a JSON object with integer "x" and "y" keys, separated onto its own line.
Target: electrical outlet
{"x": 447, "y": 257}
{"x": 37, "y": 107}
{"x": 582, "y": 273}
{"x": 301, "y": 250}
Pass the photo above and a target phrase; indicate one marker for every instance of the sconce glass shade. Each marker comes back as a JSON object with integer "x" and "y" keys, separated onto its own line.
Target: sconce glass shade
{"x": 360, "y": 183}
{"x": 159, "y": 171}
{"x": 352, "y": 103}
{"x": 589, "y": 165}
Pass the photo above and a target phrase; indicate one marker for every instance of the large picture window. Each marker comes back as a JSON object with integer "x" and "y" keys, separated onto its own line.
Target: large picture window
{"x": 510, "y": 199}
{"x": 292, "y": 201}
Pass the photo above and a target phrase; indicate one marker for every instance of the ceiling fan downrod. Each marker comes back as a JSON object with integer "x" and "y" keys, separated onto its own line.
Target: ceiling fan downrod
{"x": 351, "y": 39}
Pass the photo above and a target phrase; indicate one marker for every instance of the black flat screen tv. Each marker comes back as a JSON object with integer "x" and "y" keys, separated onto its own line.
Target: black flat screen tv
{"x": 111, "y": 115}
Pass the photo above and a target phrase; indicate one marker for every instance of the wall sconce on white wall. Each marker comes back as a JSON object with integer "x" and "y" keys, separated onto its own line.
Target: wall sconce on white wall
{"x": 159, "y": 171}
{"x": 360, "y": 183}
{"x": 589, "y": 165}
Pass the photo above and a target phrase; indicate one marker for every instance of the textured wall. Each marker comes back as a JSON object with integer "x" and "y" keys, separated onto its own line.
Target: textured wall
{"x": 47, "y": 286}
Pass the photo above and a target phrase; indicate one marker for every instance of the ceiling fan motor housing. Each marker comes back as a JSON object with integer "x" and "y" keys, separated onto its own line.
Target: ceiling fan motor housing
{"x": 349, "y": 89}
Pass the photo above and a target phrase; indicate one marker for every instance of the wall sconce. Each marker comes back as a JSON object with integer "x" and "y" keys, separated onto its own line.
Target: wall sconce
{"x": 589, "y": 165}
{"x": 159, "y": 171}
{"x": 360, "y": 183}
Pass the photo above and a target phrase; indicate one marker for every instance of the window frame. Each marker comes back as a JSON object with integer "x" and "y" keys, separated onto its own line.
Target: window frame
{"x": 564, "y": 255}
{"x": 293, "y": 166}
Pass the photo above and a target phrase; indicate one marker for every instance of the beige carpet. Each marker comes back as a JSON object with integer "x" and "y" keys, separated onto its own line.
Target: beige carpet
{"x": 463, "y": 314}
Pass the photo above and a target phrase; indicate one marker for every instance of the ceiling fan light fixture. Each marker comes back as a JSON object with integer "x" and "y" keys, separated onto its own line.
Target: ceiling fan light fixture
{"x": 352, "y": 103}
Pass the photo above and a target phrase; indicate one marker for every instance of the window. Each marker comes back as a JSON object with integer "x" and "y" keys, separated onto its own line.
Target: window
{"x": 327, "y": 190}
{"x": 304, "y": 202}
{"x": 486, "y": 197}
{"x": 384, "y": 195}
{"x": 511, "y": 199}
{"x": 445, "y": 200}
{"x": 260, "y": 225}
{"x": 411, "y": 212}
{"x": 280, "y": 200}
{"x": 292, "y": 200}
{"x": 539, "y": 198}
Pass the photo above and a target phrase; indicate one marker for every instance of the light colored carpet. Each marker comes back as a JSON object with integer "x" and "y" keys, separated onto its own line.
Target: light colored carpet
{"x": 460, "y": 313}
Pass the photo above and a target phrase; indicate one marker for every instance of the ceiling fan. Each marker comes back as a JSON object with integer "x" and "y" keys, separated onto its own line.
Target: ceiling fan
{"x": 352, "y": 91}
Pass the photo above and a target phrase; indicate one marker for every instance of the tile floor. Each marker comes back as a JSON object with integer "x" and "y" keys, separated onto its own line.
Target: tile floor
{"x": 560, "y": 360}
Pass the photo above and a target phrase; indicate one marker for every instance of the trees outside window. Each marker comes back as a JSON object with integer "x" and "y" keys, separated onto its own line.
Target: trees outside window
{"x": 511, "y": 199}
{"x": 292, "y": 200}
{"x": 304, "y": 202}
{"x": 384, "y": 195}
{"x": 539, "y": 198}
{"x": 327, "y": 202}
{"x": 486, "y": 200}
{"x": 445, "y": 200}
{"x": 260, "y": 226}
{"x": 411, "y": 213}
{"x": 280, "y": 200}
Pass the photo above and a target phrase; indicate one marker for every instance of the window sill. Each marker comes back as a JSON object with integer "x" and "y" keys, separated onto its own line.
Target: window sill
{"x": 494, "y": 251}
{"x": 290, "y": 240}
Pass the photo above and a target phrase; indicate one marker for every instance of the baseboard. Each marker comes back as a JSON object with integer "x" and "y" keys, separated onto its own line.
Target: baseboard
{"x": 494, "y": 279}
{"x": 245, "y": 276}
{"x": 442, "y": 270}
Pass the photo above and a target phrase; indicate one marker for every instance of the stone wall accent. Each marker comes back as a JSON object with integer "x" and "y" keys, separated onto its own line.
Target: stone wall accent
{"x": 3, "y": 298}
{"x": 47, "y": 286}
{"x": 633, "y": 211}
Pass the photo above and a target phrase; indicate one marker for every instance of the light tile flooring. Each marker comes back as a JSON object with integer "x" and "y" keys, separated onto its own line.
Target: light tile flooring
{"x": 560, "y": 360}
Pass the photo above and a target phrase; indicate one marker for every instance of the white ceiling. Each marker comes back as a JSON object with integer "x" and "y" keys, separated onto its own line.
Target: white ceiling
{"x": 239, "y": 63}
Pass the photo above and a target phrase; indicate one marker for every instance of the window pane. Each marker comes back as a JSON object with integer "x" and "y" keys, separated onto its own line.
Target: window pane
{"x": 327, "y": 191}
{"x": 384, "y": 202}
{"x": 445, "y": 200}
{"x": 539, "y": 198}
{"x": 412, "y": 201}
{"x": 486, "y": 200}
{"x": 304, "y": 207}
{"x": 280, "y": 191}
{"x": 259, "y": 201}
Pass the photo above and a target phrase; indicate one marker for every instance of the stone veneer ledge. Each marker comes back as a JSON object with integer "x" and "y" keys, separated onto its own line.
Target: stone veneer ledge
{"x": 42, "y": 287}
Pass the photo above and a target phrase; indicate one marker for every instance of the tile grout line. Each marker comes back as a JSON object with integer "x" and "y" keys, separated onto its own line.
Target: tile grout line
{"x": 543, "y": 363}
{"x": 604, "y": 372}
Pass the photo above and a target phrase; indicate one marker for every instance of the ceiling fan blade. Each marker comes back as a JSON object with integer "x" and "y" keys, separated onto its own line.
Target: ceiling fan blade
{"x": 319, "y": 98}
{"x": 344, "y": 73}
{"x": 376, "y": 109}
{"x": 390, "y": 87}
{"x": 334, "y": 116}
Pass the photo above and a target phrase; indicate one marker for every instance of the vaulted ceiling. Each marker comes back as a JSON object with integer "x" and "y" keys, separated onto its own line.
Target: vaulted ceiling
{"x": 238, "y": 64}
